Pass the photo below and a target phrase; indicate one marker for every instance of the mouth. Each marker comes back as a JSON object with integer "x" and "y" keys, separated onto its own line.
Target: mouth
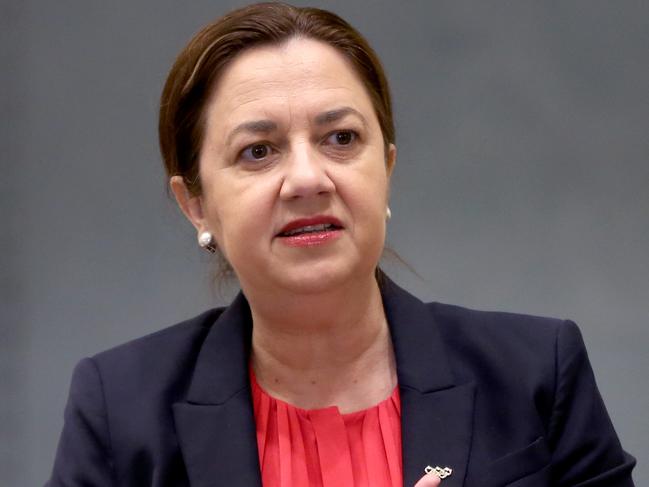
{"x": 322, "y": 227}
{"x": 310, "y": 226}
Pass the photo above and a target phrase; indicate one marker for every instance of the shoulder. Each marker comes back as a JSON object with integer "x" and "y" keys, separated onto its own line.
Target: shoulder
{"x": 163, "y": 344}
{"x": 120, "y": 401}
{"x": 514, "y": 354}
{"x": 497, "y": 333}
{"x": 530, "y": 360}
{"x": 494, "y": 325}
{"x": 484, "y": 327}
{"x": 535, "y": 391}
{"x": 506, "y": 335}
{"x": 494, "y": 349}
{"x": 159, "y": 362}
{"x": 170, "y": 337}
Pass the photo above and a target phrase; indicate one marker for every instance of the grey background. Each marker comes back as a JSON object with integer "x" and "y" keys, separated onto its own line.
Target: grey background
{"x": 521, "y": 184}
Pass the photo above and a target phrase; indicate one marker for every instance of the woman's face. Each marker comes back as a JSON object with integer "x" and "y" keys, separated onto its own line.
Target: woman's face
{"x": 293, "y": 170}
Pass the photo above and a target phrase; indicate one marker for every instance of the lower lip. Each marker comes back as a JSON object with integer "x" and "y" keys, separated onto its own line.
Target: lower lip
{"x": 311, "y": 239}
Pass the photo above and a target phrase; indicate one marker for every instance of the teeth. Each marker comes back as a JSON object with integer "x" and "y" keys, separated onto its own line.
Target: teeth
{"x": 309, "y": 228}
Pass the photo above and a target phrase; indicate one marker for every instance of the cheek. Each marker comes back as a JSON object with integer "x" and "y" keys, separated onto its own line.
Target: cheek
{"x": 240, "y": 213}
{"x": 365, "y": 197}
{"x": 230, "y": 222}
{"x": 366, "y": 190}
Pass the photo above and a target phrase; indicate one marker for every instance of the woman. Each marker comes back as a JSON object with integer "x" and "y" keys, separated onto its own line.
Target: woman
{"x": 277, "y": 135}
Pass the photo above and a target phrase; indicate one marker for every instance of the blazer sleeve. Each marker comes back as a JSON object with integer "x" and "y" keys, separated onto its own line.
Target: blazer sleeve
{"x": 586, "y": 449}
{"x": 84, "y": 454}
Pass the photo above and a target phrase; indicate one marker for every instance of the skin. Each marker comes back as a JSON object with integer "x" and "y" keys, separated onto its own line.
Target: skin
{"x": 320, "y": 336}
{"x": 429, "y": 480}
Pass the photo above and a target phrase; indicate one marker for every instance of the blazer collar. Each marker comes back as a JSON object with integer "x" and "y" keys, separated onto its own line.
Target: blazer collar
{"x": 436, "y": 411}
{"x": 418, "y": 347}
{"x": 216, "y": 424}
{"x": 217, "y": 420}
{"x": 222, "y": 366}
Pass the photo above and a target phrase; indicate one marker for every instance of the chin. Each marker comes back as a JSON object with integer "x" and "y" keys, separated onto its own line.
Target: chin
{"x": 317, "y": 279}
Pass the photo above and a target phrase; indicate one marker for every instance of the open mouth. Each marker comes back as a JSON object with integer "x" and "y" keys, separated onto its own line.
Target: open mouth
{"x": 312, "y": 231}
{"x": 321, "y": 227}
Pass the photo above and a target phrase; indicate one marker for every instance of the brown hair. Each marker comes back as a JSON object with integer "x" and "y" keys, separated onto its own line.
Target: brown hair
{"x": 202, "y": 61}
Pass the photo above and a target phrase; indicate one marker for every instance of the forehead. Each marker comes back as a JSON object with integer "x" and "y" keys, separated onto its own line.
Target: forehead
{"x": 299, "y": 78}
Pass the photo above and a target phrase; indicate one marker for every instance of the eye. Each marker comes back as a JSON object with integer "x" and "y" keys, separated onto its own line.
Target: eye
{"x": 341, "y": 137}
{"x": 256, "y": 152}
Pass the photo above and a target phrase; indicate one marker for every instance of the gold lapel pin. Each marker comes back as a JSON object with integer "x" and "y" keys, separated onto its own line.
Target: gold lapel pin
{"x": 442, "y": 473}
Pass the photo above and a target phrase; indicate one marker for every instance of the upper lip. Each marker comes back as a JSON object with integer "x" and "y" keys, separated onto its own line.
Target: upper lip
{"x": 314, "y": 220}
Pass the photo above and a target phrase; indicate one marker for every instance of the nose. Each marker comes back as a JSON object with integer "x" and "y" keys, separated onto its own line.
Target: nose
{"x": 305, "y": 174}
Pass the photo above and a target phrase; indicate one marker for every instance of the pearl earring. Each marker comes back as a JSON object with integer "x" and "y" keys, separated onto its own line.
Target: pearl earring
{"x": 388, "y": 213}
{"x": 206, "y": 241}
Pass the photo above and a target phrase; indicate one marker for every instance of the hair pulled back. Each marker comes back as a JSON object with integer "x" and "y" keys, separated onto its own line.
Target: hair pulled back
{"x": 202, "y": 62}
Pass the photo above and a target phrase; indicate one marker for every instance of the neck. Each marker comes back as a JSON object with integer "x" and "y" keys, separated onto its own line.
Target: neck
{"x": 332, "y": 348}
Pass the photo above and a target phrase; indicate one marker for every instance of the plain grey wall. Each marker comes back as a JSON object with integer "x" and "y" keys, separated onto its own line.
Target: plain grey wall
{"x": 522, "y": 184}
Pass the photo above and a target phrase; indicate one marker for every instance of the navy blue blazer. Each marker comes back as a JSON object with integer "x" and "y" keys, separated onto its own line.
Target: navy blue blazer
{"x": 502, "y": 399}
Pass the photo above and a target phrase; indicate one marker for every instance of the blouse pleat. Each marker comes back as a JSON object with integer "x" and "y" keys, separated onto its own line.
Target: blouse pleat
{"x": 323, "y": 448}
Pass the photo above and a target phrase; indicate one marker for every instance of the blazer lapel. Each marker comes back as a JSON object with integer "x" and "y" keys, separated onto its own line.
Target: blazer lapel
{"x": 436, "y": 431}
{"x": 436, "y": 413}
{"x": 216, "y": 426}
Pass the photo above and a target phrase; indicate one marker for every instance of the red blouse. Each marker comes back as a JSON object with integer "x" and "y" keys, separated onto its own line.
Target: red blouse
{"x": 323, "y": 448}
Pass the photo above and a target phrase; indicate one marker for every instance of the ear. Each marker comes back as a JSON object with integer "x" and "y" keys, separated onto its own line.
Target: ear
{"x": 391, "y": 159}
{"x": 190, "y": 205}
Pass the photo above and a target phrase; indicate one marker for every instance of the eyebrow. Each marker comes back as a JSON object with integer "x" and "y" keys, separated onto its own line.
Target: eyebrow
{"x": 267, "y": 126}
{"x": 331, "y": 116}
{"x": 254, "y": 127}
